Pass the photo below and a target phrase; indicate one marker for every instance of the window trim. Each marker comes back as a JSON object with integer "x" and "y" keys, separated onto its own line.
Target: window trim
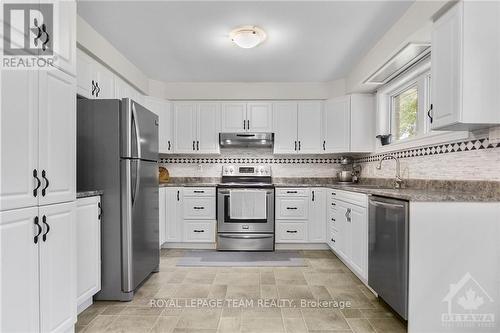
{"x": 420, "y": 75}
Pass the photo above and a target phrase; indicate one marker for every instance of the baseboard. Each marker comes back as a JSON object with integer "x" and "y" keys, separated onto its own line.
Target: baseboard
{"x": 301, "y": 246}
{"x": 192, "y": 246}
{"x": 83, "y": 305}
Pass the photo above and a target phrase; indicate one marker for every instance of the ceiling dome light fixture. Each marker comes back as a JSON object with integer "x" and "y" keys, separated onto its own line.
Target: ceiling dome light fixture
{"x": 247, "y": 36}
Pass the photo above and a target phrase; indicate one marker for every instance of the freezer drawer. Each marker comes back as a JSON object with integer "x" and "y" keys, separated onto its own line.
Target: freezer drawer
{"x": 245, "y": 242}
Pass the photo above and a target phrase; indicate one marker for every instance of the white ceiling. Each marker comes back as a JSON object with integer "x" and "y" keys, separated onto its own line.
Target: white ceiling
{"x": 187, "y": 41}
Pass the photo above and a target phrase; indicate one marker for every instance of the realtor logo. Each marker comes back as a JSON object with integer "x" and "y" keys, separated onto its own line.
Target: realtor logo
{"x": 467, "y": 305}
{"x": 28, "y": 29}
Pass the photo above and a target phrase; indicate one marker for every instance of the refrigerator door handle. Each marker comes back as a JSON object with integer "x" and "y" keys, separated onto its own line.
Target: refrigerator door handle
{"x": 126, "y": 227}
{"x": 137, "y": 181}
{"x": 137, "y": 134}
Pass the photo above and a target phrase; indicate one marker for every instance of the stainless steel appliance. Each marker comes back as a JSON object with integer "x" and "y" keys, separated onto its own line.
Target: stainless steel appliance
{"x": 252, "y": 234}
{"x": 254, "y": 140}
{"x": 117, "y": 152}
{"x": 388, "y": 251}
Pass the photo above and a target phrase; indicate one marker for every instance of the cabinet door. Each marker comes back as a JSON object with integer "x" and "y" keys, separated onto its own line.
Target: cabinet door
{"x": 309, "y": 127}
{"x": 105, "y": 82}
{"x": 208, "y": 123}
{"x": 185, "y": 127}
{"x": 19, "y": 288}
{"x": 163, "y": 110}
{"x": 64, "y": 41}
{"x": 57, "y": 136}
{"x": 358, "y": 222}
{"x": 336, "y": 125}
{"x": 84, "y": 74}
{"x": 285, "y": 127}
{"x": 259, "y": 117}
{"x": 233, "y": 117}
{"x": 343, "y": 240}
{"x": 316, "y": 224}
{"x": 162, "y": 205}
{"x": 57, "y": 268}
{"x": 446, "y": 70}
{"x": 88, "y": 248}
{"x": 18, "y": 139}
{"x": 174, "y": 214}
{"x": 362, "y": 133}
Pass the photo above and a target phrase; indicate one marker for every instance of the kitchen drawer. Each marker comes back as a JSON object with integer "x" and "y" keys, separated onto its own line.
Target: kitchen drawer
{"x": 196, "y": 208}
{"x": 291, "y": 232}
{"x": 199, "y": 191}
{"x": 199, "y": 231}
{"x": 332, "y": 218}
{"x": 292, "y": 208}
{"x": 292, "y": 192}
{"x": 355, "y": 198}
{"x": 332, "y": 204}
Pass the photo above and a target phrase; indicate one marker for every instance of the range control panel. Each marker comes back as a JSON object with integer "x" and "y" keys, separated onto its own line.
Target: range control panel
{"x": 246, "y": 170}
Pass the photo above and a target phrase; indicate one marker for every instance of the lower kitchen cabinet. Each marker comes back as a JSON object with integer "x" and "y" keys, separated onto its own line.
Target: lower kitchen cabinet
{"x": 88, "y": 250}
{"x": 38, "y": 276}
{"x": 199, "y": 231}
{"x": 162, "y": 208}
{"x": 173, "y": 214}
{"x": 317, "y": 216}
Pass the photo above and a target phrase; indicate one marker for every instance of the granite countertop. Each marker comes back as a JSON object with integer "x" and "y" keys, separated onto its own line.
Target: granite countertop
{"x": 86, "y": 194}
{"x": 417, "y": 191}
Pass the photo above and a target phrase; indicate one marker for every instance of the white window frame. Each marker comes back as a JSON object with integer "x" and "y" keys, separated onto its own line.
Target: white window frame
{"x": 418, "y": 75}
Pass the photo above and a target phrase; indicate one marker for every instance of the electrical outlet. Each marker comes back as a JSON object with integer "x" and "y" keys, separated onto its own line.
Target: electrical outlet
{"x": 200, "y": 167}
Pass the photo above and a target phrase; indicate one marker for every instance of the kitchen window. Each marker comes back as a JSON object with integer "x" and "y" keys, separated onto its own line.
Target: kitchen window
{"x": 404, "y": 113}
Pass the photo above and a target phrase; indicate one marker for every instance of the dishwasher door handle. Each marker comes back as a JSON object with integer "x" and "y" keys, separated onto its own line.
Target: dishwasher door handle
{"x": 385, "y": 204}
{"x": 246, "y": 236}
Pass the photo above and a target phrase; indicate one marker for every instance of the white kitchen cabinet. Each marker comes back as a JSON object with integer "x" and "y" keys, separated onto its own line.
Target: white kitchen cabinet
{"x": 233, "y": 117}
{"x": 465, "y": 67}
{"x": 297, "y": 127}
{"x": 105, "y": 81}
{"x": 358, "y": 251}
{"x": 124, "y": 90}
{"x": 18, "y": 139}
{"x": 196, "y": 127}
{"x": 174, "y": 213}
{"x": 19, "y": 276}
{"x": 38, "y": 138}
{"x": 199, "y": 208}
{"x": 309, "y": 134}
{"x": 285, "y": 127}
{"x": 199, "y": 231}
{"x": 163, "y": 110}
{"x": 259, "y": 117}
{"x": 343, "y": 228}
{"x": 38, "y": 269}
{"x": 348, "y": 124}
{"x": 88, "y": 250}
{"x": 292, "y": 208}
{"x": 317, "y": 215}
{"x": 57, "y": 137}
{"x": 291, "y": 232}
{"x": 94, "y": 80}
{"x": 162, "y": 208}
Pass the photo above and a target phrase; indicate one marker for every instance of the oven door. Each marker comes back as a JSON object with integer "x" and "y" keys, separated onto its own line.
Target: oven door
{"x": 226, "y": 224}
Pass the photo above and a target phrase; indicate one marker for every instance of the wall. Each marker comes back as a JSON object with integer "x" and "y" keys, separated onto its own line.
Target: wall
{"x": 282, "y": 165}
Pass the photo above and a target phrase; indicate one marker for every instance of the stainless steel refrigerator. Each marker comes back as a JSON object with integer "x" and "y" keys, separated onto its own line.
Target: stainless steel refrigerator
{"x": 117, "y": 152}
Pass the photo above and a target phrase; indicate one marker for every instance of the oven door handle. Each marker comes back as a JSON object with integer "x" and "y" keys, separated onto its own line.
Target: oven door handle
{"x": 246, "y": 236}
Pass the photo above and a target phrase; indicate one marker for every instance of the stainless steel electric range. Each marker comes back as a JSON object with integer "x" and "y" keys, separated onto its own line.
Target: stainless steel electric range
{"x": 245, "y": 209}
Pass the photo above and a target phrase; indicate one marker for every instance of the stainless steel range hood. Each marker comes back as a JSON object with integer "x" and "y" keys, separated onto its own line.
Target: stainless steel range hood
{"x": 253, "y": 140}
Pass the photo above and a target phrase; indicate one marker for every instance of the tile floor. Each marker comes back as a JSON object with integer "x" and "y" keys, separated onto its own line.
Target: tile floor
{"x": 325, "y": 277}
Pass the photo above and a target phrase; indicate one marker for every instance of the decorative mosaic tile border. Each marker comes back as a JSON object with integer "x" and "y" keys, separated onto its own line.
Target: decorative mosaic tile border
{"x": 444, "y": 148}
{"x": 249, "y": 160}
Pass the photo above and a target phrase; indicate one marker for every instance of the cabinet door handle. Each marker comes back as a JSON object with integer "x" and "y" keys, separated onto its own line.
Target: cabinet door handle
{"x": 299, "y": 145}
{"x": 93, "y": 88}
{"x": 38, "y": 182}
{"x": 291, "y": 208}
{"x": 312, "y": 195}
{"x": 324, "y": 145}
{"x": 44, "y": 221}
{"x": 178, "y": 195}
{"x": 46, "y": 183}
{"x": 200, "y": 230}
{"x": 169, "y": 145}
{"x": 194, "y": 147}
{"x": 39, "y": 227}
{"x": 348, "y": 214}
{"x": 248, "y": 124}
{"x": 98, "y": 89}
{"x": 295, "y": 145}
{"x": 292, "y": 231}
{"x": 197, "y": 145}
{"x": 100, "y": 210}
{"x": 198, "y": 207}
{"x": 244, "y": 124}
{"x": 429, "y": 114}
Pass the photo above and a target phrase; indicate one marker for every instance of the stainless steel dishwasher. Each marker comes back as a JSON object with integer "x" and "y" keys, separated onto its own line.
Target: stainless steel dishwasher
{"x": 388, "y": 251}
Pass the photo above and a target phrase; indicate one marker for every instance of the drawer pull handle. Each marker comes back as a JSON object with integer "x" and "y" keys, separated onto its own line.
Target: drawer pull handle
{"x": 334, "y": 204}
{"x": 291, "y": 208}
{"x": 333, "y": 193}
{"x": 292, "y": 231}
{"x": 291, "y": 192}
{"x": 333, "y": 240}
{"x": 195, "y": 191}
{"x": 199, "y": 230}
{"x": 199, "y": 207}
{"x": 333, "y": 220}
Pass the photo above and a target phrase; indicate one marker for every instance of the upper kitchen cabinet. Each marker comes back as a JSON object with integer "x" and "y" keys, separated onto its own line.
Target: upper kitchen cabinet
{"x": 64, "y": 42}
{"x": 125, "y": 90}
{"x": 196, "y": 127}
{"x": 297, "y": 127}
{"x": 163, "y": 109}
{"x": 246, "y": 117}
{"x": 348, "y": 124}
{"x": 93, "y": 79}
{"x": 465, "y": 68}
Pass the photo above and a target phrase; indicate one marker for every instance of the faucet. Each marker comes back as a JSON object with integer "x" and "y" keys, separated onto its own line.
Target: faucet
{"x": 398, "y": 181}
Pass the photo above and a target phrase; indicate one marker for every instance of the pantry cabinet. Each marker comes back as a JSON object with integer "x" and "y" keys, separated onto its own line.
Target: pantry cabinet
{"x": 196, "y": 127}
{"x": 348, "y": 124}
{"x": 38, "y": 138}
{"x": 88, "y": 250}
{"x": 163, "y": 110}
{"x": 465, "y": 65}
{"x": 38, "y": 276}
{"x": 297, "y": 127}
{"x": 246, "y": 117}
